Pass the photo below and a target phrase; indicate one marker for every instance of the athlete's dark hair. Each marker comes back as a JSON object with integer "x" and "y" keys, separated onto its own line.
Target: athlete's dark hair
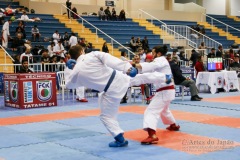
{"x": 162, "y": 49}
{"x": 74, "y": 51}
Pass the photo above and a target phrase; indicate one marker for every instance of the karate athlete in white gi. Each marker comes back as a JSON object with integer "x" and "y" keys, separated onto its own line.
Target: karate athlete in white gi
{"x": 165, "y": 93}
{"x": 105, "y": 73}
{"x": 5, "y": 33}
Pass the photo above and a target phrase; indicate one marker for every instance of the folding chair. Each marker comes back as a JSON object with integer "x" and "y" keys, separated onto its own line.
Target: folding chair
{"x": 61, "y": 81}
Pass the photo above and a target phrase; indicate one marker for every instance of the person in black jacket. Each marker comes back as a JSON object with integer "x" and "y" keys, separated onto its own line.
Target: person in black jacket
{"x": 105, "y": 47}
{"x": 179, "y": 79}
{"x": 69, "y": 6}
{"x": 219, "y": 52}
{"x": 25, "y": 68}
{"x": 194, "y": 57}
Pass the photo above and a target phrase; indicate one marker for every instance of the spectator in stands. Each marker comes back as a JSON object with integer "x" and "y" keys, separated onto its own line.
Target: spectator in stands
{"x": 10, "y": 11}
{"x": 231, "y": 53}
{"x": 175, "y": 56}
{"x": 5, "y": 33}
{"x": 145, "y": 44}
{"x": 75, "y": 14}
{"x": 194, "y": 57}
{"x": 138, "y": 43}
{"x": 108, "y": 13}
{"x": 69, "y": 6}
{"x": 114, "y": 14}
{"x": 16, "y": 62}
{"x": 25, "y": 67}
{"x": 105, "y": 47}
{"x": 59, "y": 50}
{"x": 101, "y": 14}
{"x": 45, "y": 59}
{"x": 21, "y": 28}
{"x": 182, "y": 56}
{"x": 202, "y": 46}
{"x": 124, "y": 56}
{"x": 197, "y": 28}
{"x": 51, "y": 49}
{"x": 203, "y": 30}
{"x": 219, "y": 52}
{"x": 53, "y": 67}
{"x": 236, "y": 63}
{"x": 133, "y": 44}
{"x": 27, "y": 55}
{"x": 18, "y": 44}
{"x": 19, "y": 31}
{"x": 56, "y": 37}
{"x": 25, "y": 17}
{"x": 73, "y": 40}
{"x": 66, "y": 38}
{"x": 179, "y": 79}
{"x": 199, "y": 67}
{"x": 122, "y": 16}
{"x": 35, "y": 33}
{"x": 61, "y": 64}
{"x": 141, "y": 54}
{"x": 212, "y": 53}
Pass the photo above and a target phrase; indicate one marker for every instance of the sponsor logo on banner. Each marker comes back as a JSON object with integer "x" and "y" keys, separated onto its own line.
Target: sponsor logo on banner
{"x": 14, "y": 91}
{"x": 6, "y": 89}
{"x": 28, "y": 92}
{"x": 44, "y": 90}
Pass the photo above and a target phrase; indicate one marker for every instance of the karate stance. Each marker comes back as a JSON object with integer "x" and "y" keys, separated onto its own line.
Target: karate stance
{"x": 105, "y": 73}
{"x": 165, "y": 93}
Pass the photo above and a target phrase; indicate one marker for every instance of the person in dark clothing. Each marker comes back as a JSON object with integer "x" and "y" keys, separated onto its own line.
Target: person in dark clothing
{"x": 236, "y": 63}
{"x": 179, "y": 79}
{"x": 108, "y": 13}
{"x": 182, "y": 56}
{"x": 211, "y": 54}
{"x": 16, "y": 61}
{"x": 219, "y": 53}
{"x": 194, "y": 57}
{"x": 25, "y": 67}
{"x": 69, "y": 6}
{"x": 105, "y": 47}
{"x": 122, "y": 16}
{"x": 18, "y": 44}
{"x": 145, "y": 43}
{"x": 114, "y": 14}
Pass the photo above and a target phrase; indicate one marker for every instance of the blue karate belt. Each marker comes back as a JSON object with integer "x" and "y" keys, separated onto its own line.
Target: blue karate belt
{"x": 110, "y": 81}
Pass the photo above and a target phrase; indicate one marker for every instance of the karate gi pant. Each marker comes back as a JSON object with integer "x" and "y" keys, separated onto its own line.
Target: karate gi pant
{"x": 80, "y": 92}
{"x": 109, "y": 101}
{"x": 159, "y": 108}
{"x": 5, "y": 39}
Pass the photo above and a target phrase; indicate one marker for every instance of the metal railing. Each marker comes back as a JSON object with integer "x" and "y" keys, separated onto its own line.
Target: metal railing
{"x": 6, "y": 54}
{"x": 97, "y": 30}
{"x": 168, "y": 32}
{"x": 216, "y": 22}
{"x": 195, "y": 36}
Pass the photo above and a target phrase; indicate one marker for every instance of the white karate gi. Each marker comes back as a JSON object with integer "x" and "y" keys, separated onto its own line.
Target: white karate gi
{"x": 159, "y": 105}
{"x": 73, "y": 41}
{"x": 93, "y": 70}
{"x": 5, "y": 34}
{"x": 80, "y": 92}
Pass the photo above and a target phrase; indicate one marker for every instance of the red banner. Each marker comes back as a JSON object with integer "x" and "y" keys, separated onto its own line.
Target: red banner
{"x": 30, "y": 90}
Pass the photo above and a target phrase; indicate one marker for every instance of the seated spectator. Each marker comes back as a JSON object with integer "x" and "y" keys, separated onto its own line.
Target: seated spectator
{"x": 175, "y": 56}
{"x": 145, "y": 44}
{"x": 10, "y": 11}
{"x": 35, "y": 33}
{"x": 20, "y": 28}
{"x": 18, "y": 44}
{"x": 212, "y": 53}
{"x": 45, "y": 59}
{"x": 66, "y": 38}
{"x": 16, "y": 62}
{"x": 25, "y": 17}
{"x": 59, "y": 50}
{"x": 27, "y": 55}
{"x": 124, "y": 56}
{"x": 53, "y": 67}
{"x": 25, "y": 67}
{"x": 101, "y": 14}
{"x": 107, "y": 13}
{"x": 203, "y": 47}
{"x": 199, "y": 67}
{"x": 19, "y": 31}
{"x": 75, "y": 14}
{"x": 138, "y": 43}
{"x": 122, "y": 16}
{"x": 61, "y": 64}
{"x": 133, "y": 44}
{"x": 114, "y": 14}
{"x": 73, "y": 40}
{"x": 51, "y": 49}
{"x": 179, "y": 79}
{"x": 236, "y": 63}
{"x": 105, "y": 47}
{"x": 141, "y": 54}
{"x": 56, "y": 37}
{"x": 182, "y": 56}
